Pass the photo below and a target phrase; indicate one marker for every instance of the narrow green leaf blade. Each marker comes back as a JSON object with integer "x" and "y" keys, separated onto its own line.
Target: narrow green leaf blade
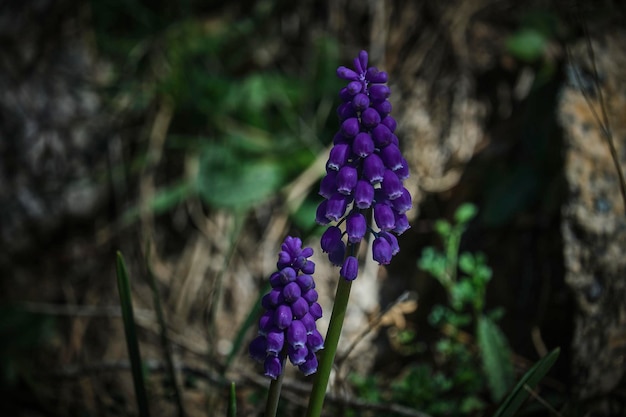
{"x": 496, "y": 357}
{"x": 123, "y": 286}
{"x": 516, "y": 398}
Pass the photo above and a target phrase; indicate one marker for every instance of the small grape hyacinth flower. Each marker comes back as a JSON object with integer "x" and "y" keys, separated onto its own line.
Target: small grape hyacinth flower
{"x": 287, "y": 327}
{"x": 365, "y": 172}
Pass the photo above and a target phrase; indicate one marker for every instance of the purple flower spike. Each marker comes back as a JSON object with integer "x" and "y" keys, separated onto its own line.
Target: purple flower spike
{"x": 365, "y": 171}
{"x": 291, "y": 311}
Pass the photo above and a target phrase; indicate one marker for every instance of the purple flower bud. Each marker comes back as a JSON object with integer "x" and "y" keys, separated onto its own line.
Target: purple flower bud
{"x": 393, "y": 242}
{"x": 373, "y": 168}
{"x": 338, "y": 156}
{"x": 345, "y": 111}
{"x": 350, "y": 268}
{"x": 287, "y": 275}
{"x": 381, "y": 135}
{"x": 273, "y": 367}
{"x": 310, "y": 296}
{"x": 296, "y": 334}
{"x": 356, "y": 226}
{"x": 308, "y": 268}
{"x": 354, "y": 87}
{"x": 392, "y": 187}
{"x": 403, "y": 203}
{"x": 363, "y": 145}
{"x": 339, "y": 139}
{"x": 305, "y": 282}
{"x": 299, "y": 262}
{"x": 401, "y": 224}
{"x": 392, "y": 157}
{"x": 291, "y": 292}
{"x": 379, "y": 92}
{"x": 357, "y": 65}
{"x": 292, "y": 245}
{"x": 300, "y": 307}
{"x": 345, "y": 95}
{"x": 390, "y": 122}
{"x": 309, "y": 322}
{"x": 297, "y": 356}
{"x": 306, "y": 252}
{"x": 350, "y": 127}
{"x": 337, "y": 255}
{"x": 275, "y": 342}
{"x": 363, "y": 194}
{"x": 381, "y": 251}
{"x": 346, "y": 179}
{"x": 283, "y": 316}
{"x": 370, "y": 118}
{"x": 363, "y": 60}
{"x": 284, "y": 259}
{"x": 258, "y": 348}
{"x": 330, "y": 239}
{"x": 320, "y": 213}
{"x": 309, "y": 367}
{"x": 360, "y": 102}
{"x": 383, "y": 215}
{"x": 272, "y": 299}
{"x": 347, "y": 74}
{"x": 336, "y": 208}
{"x": 403, "y": 172}
{"x": 383, "y": 107}
{"x": 315, "y": 341}
{"x": 266, "y": 322}
{"x": 275, "y": 280}
{"x": 315, "y": 310}
{"x": 374, "y": 76}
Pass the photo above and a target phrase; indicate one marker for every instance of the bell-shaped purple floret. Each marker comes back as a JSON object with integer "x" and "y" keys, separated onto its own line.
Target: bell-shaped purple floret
{"x": 291, "y": 292}
{"x": 370, "y": 118}
{"x": 336, "y": 207}
{"x": 310, "y": 296}
{"x": 308, "y": 268}
{"x": 273, "y": 367}
{"x": 381, "y": 251}
{"x": 350, "y": 268}
{"x": 258, "y": 348}
{"x": 363, "y": 194}
{"x": 297, "y": 356}
{"x": 356, "y": 226}
{"x": 338, "y": 156}
{"x": 347, "y": 74}
{"x": 328, "y": 185}
{"x": 346, "y": 179}
{"x": 360, "y": 102}
{"x": 383, "y": 107}
{"x": 350, "y": 127}
{"x": 363, "y": 145}
{"x": 392, "y": 157}
{"x": 345, "y": 111}
{"x": 272, "y": 299}
{"x": 383, "y": 216}
{"x": 381, "y": 135}
{"x": 284, "y": 259}
{"x": 315, "y": 310}
{"x": 379, "y": 92}
{"x": 392, "y": 186}
{"x": 401, "y": 224}
{"x": 393, "y": 242}
{"x": 373, "y": 169}
{"x": 283, "y": 316}
{"x": 300, "y": 307}
{"x": 354, "y": 87}
{"x": 330, "y": 238}
{"x": 275, "y": 342}
{"x": 374, "y": 76}
{"x": 337, "y": 255}
{"x": 390, "y": 122}
{"x": 309, "y": 367}
{"x": 403, "y": 172}
{"x": 266, "y": 322}
{"x": 305, "y": 281}
{"x": 320, "y": 213}
{"x": 309, "y": 322}
{"x": 403, "y": 203}
{"x": 287, "y": 275}
{"x": 296, "y": 334}
{"x": 315, "y": 341}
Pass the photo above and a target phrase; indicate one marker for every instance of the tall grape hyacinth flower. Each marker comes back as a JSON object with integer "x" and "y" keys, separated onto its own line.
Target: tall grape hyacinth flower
{"x": 287, "y": 327}
{"x": 364, "y": 173}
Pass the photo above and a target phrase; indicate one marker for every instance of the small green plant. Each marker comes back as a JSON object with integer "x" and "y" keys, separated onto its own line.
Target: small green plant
{"x": 465, "y": 276}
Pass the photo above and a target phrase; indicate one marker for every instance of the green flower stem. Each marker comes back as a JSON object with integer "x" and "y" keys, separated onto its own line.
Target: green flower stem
{"x": 318, "y": 393}
{"x": 274, "y": 394}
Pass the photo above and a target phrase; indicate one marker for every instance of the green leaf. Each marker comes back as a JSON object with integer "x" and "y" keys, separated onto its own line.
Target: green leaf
{"x": 443, "y": 228}
{"x": 123, "y": 286}
{"x": 232, "y": 401}
{"x": 467, "y": 263}
{"x": 516, "y": 398}
{"x": 527, "y": 44}
{"x": 496, "y": 357}
{"x": 465, "y": 213}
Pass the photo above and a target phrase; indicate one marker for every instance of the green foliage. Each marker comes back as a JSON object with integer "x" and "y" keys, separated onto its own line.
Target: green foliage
{"x": 496, "y": 357}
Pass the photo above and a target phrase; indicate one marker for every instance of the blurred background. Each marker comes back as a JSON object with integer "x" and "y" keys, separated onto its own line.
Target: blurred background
{"x": 191, "y": 136}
